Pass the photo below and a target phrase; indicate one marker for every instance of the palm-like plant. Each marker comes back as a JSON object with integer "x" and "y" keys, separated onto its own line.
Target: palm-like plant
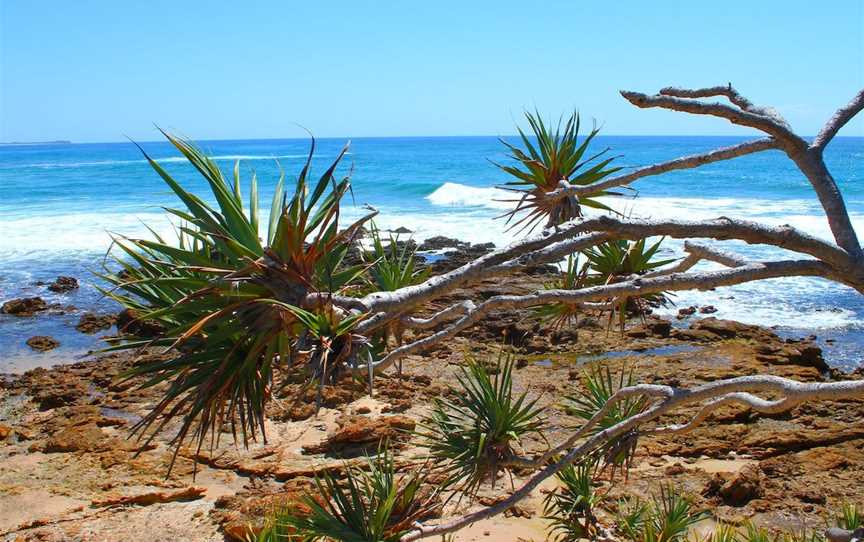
{"x": 600, "y": 385}
{"x": 555, "y": 155}
{"x": 571, "y": 508}
{"x": 228, "y": 300}
{"x": 666, "y": 518}
{"x": 472, "y": 435}
{"x": 620, "y": 259}
{"x": 372, "y": 505}
{"x": 572, "y": 277}
{"x": 849, "y": 517}
{"x": 390, "y": 269}
{"x": 723, "y": 532}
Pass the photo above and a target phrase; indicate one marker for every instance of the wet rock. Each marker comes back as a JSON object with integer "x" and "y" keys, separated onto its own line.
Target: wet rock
{"x": 439, "y": 242}
{"x": 687, "y": 311}
{"x": 25, "y": 306}
{"x": 42, "y": 343}
{"x": 128, "y": 321}
{"x": 363, "y": 432}
{"x": 651, "y": 328}
{"x": 91, "y": 322}
{"x": 707, "y": 309}
{"x": 401, "y": 230}
{"x": 63, "y": 284}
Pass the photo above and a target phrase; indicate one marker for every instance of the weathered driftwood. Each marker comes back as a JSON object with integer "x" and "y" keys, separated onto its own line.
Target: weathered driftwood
{"x": 666, "y": 399}
{"x": 839, "y": 260}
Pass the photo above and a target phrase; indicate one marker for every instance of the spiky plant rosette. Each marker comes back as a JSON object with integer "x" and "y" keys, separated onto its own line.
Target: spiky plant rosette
{"x": 618, "y": 260}
{"x": 231, "y": 306}
{"x": 375, "y": 504}
{"x": 667, "y": 517}
{"x": 599, "y": 384}
{"x": 555, "y": 155}
{"x": 571, "y": 507}
{"x": 572, "y": 277}
{"x": 472, "y": 435}
{"x": 389, "y": 269}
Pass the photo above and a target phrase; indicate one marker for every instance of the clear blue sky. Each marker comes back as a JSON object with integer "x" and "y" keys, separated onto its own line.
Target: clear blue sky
{"x": 99, "y": 70}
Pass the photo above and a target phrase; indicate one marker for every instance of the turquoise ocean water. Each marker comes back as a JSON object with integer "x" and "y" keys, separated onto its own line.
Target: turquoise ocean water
{"x": 57, "y": 203}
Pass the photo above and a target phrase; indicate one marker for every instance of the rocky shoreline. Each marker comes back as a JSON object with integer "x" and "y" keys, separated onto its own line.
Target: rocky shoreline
{"x": 69, "y": 471}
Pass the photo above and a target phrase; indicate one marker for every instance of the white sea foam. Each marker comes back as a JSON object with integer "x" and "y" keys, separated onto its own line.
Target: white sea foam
{"x": 460, "y": 195}
{"x": 166, "y": 160}
{"x": 793, "y": 302}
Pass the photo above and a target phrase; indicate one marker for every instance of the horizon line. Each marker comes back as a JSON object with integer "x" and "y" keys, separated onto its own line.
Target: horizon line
{"x": 348, "y": 138}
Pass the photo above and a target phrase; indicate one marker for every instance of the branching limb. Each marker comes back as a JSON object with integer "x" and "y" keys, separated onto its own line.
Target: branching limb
{"x": 670, "y": 399}
{"x": 840, "y": 118}
{"x": 686, "y": 162}
{"x": 634, "y": 287}
{"x": 762, "y": 119}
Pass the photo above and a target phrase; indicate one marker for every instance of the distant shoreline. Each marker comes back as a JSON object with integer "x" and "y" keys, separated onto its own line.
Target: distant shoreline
{"x": 25, "y": 143}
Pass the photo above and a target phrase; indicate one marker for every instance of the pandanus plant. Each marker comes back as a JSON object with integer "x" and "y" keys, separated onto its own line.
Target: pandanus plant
{"x": 553, "y": 156}
{"x": 234, "y": 306}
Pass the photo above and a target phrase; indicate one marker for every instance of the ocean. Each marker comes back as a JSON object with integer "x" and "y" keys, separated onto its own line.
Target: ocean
{"x": 59, "y": 201}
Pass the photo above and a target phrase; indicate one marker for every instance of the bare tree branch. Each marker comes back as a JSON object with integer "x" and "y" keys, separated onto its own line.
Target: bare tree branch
{"x": 686, "y": 162}
{"x": 635, "y": 287}
{"x": 840, "y": 118}
{"x": 765, "y": 120}
{"x": 722, "y": 90}
{"x": 670, "y": 399}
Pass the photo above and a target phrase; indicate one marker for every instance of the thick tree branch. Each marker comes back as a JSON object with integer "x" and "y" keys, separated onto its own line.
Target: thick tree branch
{"x": 635, "y": 287}
{"x": 765, "y": 120}
{"x": 840, "y": 118}
{"x": 722, "y": 90}
{"x": 686, "y": 162}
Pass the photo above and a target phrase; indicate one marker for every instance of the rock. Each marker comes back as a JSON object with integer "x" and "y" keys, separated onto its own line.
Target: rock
{"x": 42, "y": 343}
{"x": 651, "y": 328}
{"x": 153, "y": 497}
{"x": 5, "y": 431}
{"x": 128, "y": 322}
{"x": 439, "y": 242}
{"x": 401, "y": 230}
{"x": 55, "y": 394}
{"x": 63, "y": 284}
{"x": 362, "y": 431}
{"x": 77, "y": 439}
{"x": 730, "y": 329}
{"x": 91, "y": 322}
{"x": 707, "y": 309}
{"x": 739, "y": 489}
{"x": 688, "y": 311}
{"x": 25, "y": 306}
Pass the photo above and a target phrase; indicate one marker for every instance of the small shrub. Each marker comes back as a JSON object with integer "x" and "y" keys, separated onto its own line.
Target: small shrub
{"x": 555, "y": 155}
{"x": 374, "y": 505}
{"x": 472, "y": 434}
{"x": 666, "y": 518}
{"x": 571, "y": 508}
{"x": 600, "y": 385}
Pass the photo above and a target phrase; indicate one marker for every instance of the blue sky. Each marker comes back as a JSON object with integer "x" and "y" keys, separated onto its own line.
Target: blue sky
{"x": 99, "y": 71}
